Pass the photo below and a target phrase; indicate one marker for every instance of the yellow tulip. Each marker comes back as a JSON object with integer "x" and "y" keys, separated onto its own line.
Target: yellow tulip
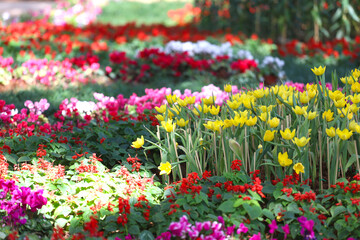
{"x": 239, "y": 120}
{"x": 299, "y": 168}
{"x": 181, "y": 122}
{"x": 171, "y": 99}
{"x": 284, "y": 160}
{"x": 251, "y": 121}
{"x": 165, "y": 168}
{"x": 312, "y": 93}
{"x": 311, "y": 115}
{"x": 159, "y": 117}
{"x": 355, "y": 87}
{"x": 182, "y": 103}
{"x": 287, "y": 134}
{"x": 330, "y": 132}
{"x": 354, "y": 126}
{"x": 176, "y": 110}
{"x": 260, "y": 147}
{"x": 347, "y": 80}
{"x": 318, "y": 71}
{"x": 228, "y": 123}
{"x": 138, "y": 143}
{"x": 227, "y": 88}
{"x": 161, "y": 109}
{"x": 209, "y": 100}
{"x": 233, "y": 104}
{"x": 263, "y": 116}
{"x": 190, "y": 100}
{"x": 299, "y": 110}
{"x": 214, "y": 110}
{"x": 304, "y": 98}
{"x": 214, "y": 125}
{"x": 344, "y": 134}
{"x": 269, "y": 135}
{"x": 340, "y": 103}
{"x": 301, "y": 142}
{"x": 274, "y": 122}
{"x": 354, "y": 108}
{"x": 248, "y": 102}
{"x": 169, "y": 126}
{"x": 259, "y": 93}
{"x": 336, "y": 95}
{"x": 355, "y": 73}
{"x": 328, "y": 115}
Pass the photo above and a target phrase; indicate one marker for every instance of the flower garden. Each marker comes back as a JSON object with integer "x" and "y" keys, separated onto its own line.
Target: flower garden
{"x": 175, "y": 132}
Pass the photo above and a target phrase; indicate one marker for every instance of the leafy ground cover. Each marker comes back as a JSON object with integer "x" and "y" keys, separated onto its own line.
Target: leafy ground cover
{"x": 118, "y": 13}
{"x": 118, "y": 132}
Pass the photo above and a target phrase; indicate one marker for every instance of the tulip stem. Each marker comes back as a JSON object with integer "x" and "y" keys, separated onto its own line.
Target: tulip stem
{"x": 223, "y": 146}
{"x": 215, "y": 153}
{"x": 320, "y": 149}
{"x": 357, "y": 158}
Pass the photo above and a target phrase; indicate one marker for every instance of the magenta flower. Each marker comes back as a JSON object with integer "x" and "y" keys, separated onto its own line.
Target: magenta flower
{"x": 307, "y": 226}
{"x": 273, "y": 227}
{"x": 286, "y": 230}
{"x": 242, "y": 229}
{"x": 256, "y": 237}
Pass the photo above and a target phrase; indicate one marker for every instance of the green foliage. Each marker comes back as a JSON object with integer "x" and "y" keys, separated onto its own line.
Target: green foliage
{"x": 123, "y": 12}
{"x": 282, "y": 19}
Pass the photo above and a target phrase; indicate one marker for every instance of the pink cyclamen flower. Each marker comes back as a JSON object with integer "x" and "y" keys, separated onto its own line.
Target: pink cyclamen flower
{"x": 242, "y": 229}
{"x": 273, "y": 226}
{"x": 286, "y": 230}
{"x": 256, "y": 237}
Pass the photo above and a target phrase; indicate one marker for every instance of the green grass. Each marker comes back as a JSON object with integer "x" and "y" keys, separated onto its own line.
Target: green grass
{"x": 123, "y": 12}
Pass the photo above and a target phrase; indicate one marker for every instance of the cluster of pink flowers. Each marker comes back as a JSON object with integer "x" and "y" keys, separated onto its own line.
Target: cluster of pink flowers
{"x": 149, "y": 60}
{"x": 46, "y": 72}
{"x": 80, "y": 14}
{"x": 208, "y": 230}
{"x": 15, "y": 201}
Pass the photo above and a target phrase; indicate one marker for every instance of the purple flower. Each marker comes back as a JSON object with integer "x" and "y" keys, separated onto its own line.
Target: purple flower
{"x": 256, "y": 237}
{"x": 242, "y": 229}
{"x": 286, "y": 230}
{"x": 307, "y": 227}
{"x": 230, "y": 230}
{"x": 273, "y": 227}
{"x": 206, "y": 225}
{"x": 164, "y": 236}
{"x": 128, "y": 237}
{"x": 221, "y": 220}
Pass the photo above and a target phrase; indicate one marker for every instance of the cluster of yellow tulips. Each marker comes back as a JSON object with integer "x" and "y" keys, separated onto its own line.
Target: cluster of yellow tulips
{"x": 277, "y": 129}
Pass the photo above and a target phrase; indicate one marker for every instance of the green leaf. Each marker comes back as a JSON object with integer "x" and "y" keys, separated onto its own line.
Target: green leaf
{"x": 62, "y": 210}
{"x": 11, "y": 158}
{"x": 146, "y": 235}
{"x": 255, "y": 196}
{"x": 61, "y": 222}
{"x": 227, "y": 206}
{"x": 337, "y": 210}
{"x": 253, "y": 211}
{"x": 350, "y": 162}
{"x": 267, "y": 213}
{"x": 353, "y": 13}
{"x": 134, "y": 229}
{"x": 158, "y": 217}
{"x": 24, "y": 159}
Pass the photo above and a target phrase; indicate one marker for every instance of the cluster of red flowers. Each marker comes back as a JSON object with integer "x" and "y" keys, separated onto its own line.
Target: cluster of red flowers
{"x": 151, "y": 59}
{"x": 136, "y": 164}
{"x": 353, "y": 187}
{"x": 307, "y": 196}
{"x": 124, "y": 209}
{"x": 325, "y": 49}
{"x": 90, "y": 166}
